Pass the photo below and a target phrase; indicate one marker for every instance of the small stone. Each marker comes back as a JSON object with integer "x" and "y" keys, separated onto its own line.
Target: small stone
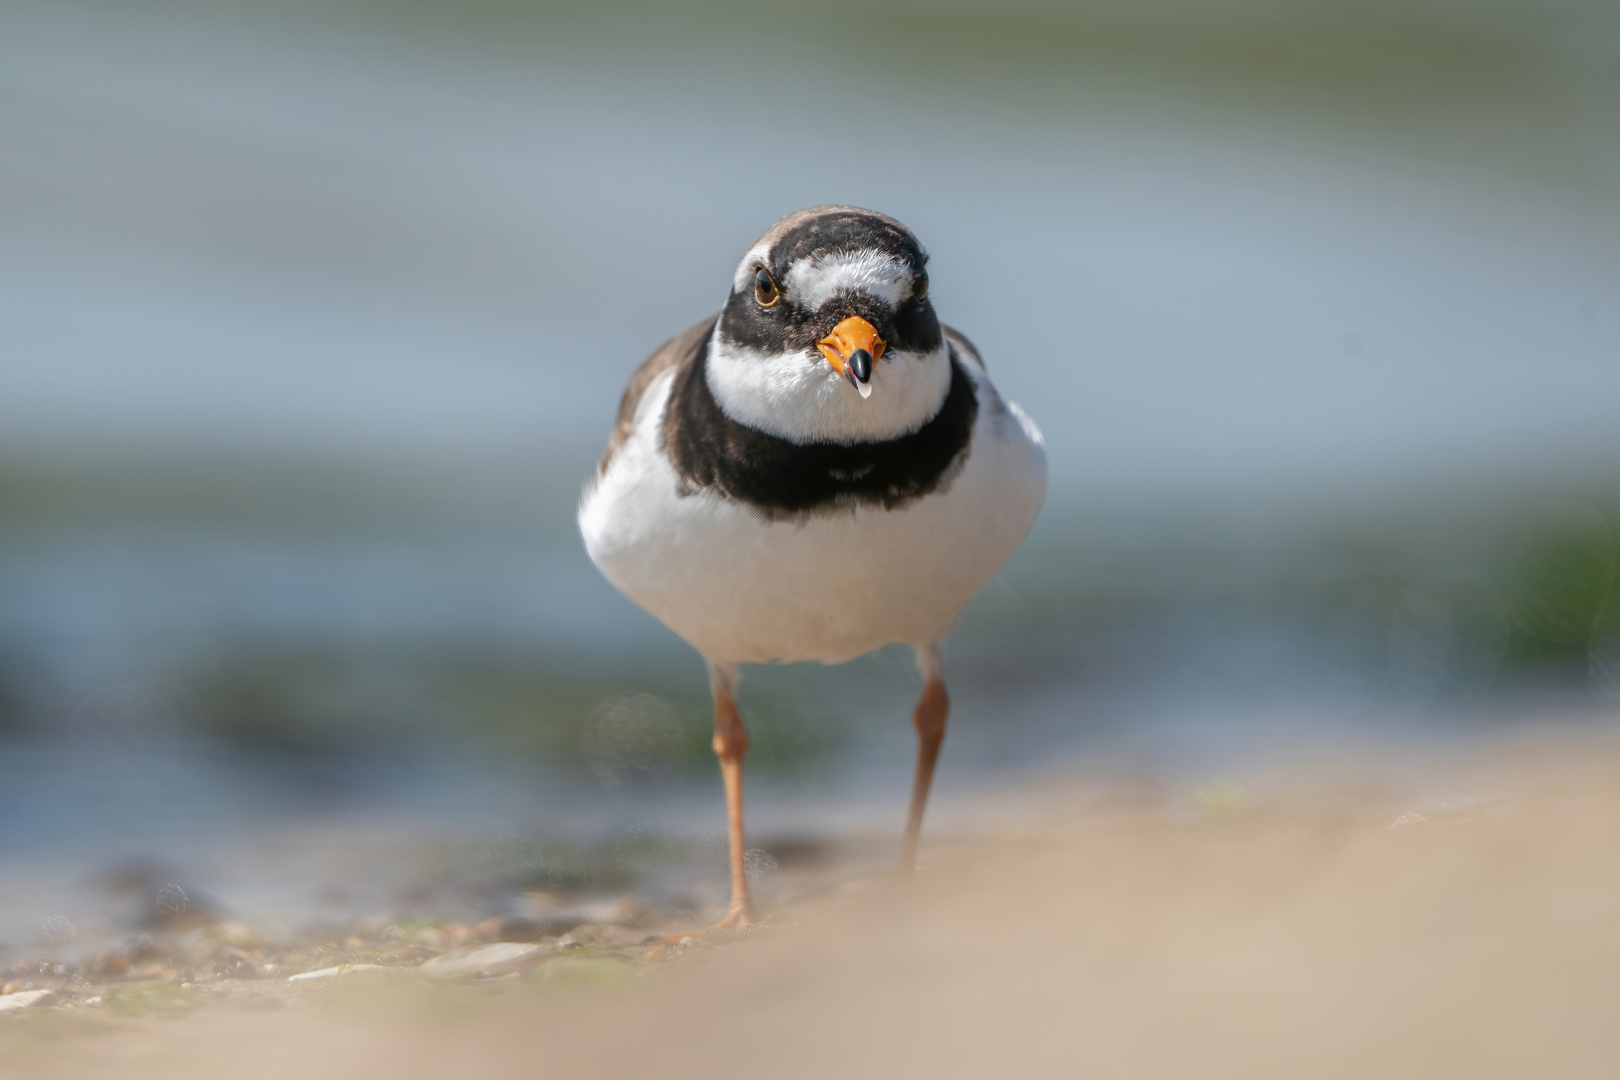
{"x": 228, "y": 963}
{"x": 110, "y": 965}
{"x": 373, "y": 924}
{"x": 656, "y": 955}
{"x": 620, "y": 911}
{"x": 144, "y": 947}
{"x": 24, "y": 999}
{"x": 472, "y": 961}
{"x": 334, "y": 971}
{"x": 237, "y": 935}
{"x": 540, "y": 903}
{"x": 591, "y": 934}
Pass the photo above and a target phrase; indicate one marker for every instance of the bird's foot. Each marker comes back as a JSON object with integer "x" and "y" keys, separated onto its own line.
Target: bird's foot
{"x": 737, "y": 918}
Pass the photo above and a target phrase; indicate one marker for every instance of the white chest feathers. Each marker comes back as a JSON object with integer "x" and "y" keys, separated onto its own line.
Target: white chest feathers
{"x": 800, "y": 398}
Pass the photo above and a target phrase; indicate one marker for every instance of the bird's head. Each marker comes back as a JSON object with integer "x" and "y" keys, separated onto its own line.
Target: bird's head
{"x": 828, "y": 333}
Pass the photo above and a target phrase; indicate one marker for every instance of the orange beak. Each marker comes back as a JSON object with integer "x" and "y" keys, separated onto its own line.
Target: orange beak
{"x": 852, "y": 348}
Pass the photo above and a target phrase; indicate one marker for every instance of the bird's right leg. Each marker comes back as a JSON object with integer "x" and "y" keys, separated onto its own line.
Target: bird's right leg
{"x": 730, "y": 743}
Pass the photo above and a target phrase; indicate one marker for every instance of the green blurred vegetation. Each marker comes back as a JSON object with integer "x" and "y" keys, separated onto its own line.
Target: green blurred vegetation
{"x": 1526, "y": 85}
{"x": 283, "y": 493}
{"x": 1560, "y": 581}
{"x": 1456, "y": 591}
{"x": 1496, "y": 52}
{"x": 12, "y": 710}
{"x": 300, "y": 701}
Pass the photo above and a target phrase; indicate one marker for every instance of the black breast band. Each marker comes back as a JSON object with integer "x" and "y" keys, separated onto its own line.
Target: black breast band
{"x": 782, "y": 479}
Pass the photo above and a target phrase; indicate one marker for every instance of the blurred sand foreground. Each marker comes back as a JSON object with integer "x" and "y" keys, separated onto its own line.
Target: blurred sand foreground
{"x": 1462, "y": 921}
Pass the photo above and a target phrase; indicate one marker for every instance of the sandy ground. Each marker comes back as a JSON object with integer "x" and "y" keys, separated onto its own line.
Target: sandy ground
{"x": 1461, "y": 921}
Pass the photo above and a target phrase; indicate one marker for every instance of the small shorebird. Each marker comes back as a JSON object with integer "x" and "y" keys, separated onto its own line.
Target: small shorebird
{"x": 817, "y": 471}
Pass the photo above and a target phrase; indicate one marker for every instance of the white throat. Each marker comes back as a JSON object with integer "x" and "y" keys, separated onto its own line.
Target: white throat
{"x": 800, "y": 398}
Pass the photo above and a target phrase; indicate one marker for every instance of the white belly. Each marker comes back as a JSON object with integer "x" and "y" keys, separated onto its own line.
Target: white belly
{"x": 740, "y": 589}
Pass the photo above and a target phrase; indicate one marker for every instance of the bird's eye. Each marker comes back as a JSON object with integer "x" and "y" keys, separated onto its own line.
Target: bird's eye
{"x": 765, "y": 290}
{"x": 919, "y": 290}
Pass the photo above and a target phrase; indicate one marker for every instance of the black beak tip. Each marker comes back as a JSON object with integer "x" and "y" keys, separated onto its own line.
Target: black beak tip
{"x": 860, "y": 365}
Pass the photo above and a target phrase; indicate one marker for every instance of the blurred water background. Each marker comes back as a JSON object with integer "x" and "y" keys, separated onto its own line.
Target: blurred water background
{"x": 313, "y": 318}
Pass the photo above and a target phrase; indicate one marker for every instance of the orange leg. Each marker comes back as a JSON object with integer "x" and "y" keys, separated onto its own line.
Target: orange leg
{"x": 929, "y": 719}
{"x": 730, "y": 743}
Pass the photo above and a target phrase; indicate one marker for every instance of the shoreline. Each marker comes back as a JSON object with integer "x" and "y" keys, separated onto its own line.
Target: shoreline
{"x": 1342, "y": 925}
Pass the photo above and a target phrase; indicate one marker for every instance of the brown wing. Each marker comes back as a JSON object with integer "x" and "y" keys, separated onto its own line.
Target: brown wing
{"x": 960, "y": 341}
{"x": 678, "y": 350}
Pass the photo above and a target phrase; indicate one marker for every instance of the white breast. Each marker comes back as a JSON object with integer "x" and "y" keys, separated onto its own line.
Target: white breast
{"x": 800, "y": 398}
{"x": 741, "y": 589}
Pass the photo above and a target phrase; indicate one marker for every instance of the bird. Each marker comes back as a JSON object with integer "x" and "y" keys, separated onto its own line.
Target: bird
{"x": 819, "y": 470}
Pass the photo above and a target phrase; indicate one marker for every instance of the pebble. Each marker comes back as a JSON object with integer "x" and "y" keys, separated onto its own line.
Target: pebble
{"x": 23, "y": 999}
{"x": 619, "y": 911}
{"x": 474, "y": 960}
{"x": 334, "y": 971}
{"x": 237, "y": 935}
{"x": 109, "y": 965}
{"x": 599, "y": 935}
{"x": 457, "y": 933}
{"x": 228, "y": 963}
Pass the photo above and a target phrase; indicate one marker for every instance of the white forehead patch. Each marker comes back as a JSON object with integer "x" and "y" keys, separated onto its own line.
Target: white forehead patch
{"x": 812, "y": 282}
{"x": 744, "y": 277}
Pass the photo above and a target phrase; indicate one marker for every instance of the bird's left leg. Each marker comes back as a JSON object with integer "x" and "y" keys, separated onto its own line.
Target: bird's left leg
{"x": 730, "y": 743}
{"x": 933, "y": 708}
